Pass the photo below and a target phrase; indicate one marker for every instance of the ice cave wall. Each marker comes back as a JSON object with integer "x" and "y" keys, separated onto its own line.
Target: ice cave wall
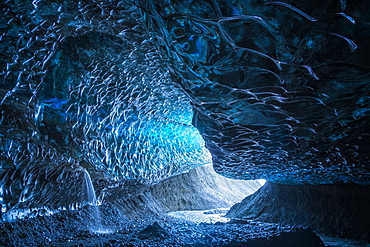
{"x": 83, "y": 90}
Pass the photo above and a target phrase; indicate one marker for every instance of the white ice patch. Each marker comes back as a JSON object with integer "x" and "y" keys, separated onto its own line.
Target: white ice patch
{"x": 261, "y": 181}
{"x": 206, "y": 216}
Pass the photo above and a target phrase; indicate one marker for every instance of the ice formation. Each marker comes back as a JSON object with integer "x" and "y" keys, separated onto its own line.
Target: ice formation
{"x": 99, "y": 95}
{"x": 83, "y": 90}
{"x": 280, "y": 88}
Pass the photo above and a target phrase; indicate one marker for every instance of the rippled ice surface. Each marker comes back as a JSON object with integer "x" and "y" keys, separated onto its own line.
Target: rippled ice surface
{"x": 280, "y": 88}
{"x": 82, "y": 89}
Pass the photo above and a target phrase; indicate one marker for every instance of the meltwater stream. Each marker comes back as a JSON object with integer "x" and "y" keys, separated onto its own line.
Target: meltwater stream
{"x": 96, "y": 225}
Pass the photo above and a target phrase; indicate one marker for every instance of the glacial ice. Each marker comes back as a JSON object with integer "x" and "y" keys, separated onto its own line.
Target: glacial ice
{"x": 113, "y": 107}
{"x": 115, "y": 88}
{"x": 83, "y": 91}
{"x": 279, "y": 88}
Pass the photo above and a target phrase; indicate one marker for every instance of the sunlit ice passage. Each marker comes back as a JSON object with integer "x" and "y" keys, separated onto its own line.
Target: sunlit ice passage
{"x": 184, "y": 123}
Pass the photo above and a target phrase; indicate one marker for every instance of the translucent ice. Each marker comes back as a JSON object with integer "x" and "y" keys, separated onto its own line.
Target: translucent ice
{"x": 83, "y": 89}
{"x": 276, "y": 85}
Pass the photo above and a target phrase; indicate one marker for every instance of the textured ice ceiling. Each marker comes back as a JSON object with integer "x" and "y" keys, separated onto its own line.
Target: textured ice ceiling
{"x": 279, "y": 90}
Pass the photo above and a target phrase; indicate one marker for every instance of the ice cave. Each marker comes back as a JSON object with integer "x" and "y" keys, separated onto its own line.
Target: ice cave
{"x": 185, "y": 123}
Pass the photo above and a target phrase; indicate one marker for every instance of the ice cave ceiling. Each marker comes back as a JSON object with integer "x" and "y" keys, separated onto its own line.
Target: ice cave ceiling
{"x": 280, "y": 89}
{"x": 127, "y": 90}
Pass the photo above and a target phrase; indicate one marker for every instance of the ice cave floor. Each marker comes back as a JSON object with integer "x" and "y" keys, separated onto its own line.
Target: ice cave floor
{"x": 72, "y": 229}
{"x": 185, "y": 228}
{"x": 184, "y": 210}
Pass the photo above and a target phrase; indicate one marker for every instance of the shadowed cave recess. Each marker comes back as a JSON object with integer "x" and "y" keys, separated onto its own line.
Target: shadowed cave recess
{"x": 154, "y": 123}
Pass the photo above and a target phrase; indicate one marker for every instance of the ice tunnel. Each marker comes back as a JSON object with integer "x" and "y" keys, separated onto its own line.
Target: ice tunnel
{"x": 149, "y": 123}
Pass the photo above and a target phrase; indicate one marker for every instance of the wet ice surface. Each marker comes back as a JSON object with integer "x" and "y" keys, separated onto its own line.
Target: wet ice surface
{"x": 206, "y": 216}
